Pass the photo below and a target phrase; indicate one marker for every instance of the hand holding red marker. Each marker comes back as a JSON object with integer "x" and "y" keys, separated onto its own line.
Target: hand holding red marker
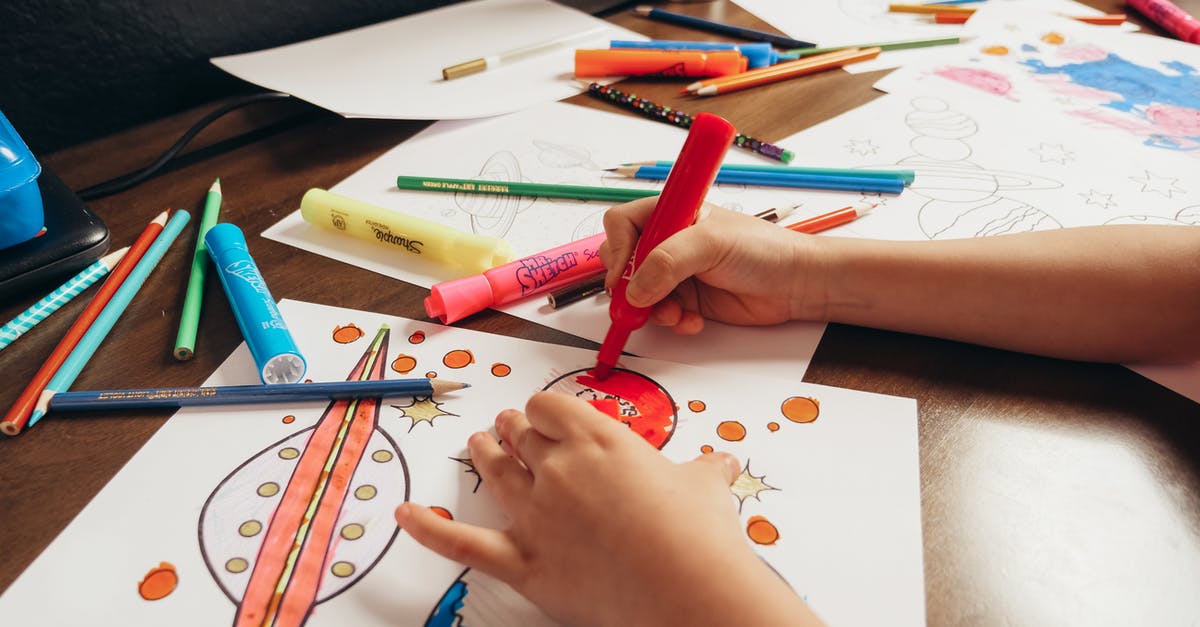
{"x": 682, "y": 196}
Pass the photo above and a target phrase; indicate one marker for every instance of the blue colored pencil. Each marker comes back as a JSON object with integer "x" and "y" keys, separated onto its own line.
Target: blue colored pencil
{"x": 717, "y": 27}
{"x": 42, "y": 309}
{"x": 250, "y": 394}
{"x": 908, "y": 176}
{"x": 803, "y": 181}
{"x": 104, "y": 322}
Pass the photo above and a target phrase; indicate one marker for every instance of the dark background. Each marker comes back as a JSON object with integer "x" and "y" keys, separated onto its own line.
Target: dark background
{"x": 74, "y": 70}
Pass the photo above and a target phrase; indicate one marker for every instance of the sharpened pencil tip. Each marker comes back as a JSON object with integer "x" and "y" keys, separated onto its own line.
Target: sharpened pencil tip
{"x": 643, "y": 9}
{"x": 216, "y": 187}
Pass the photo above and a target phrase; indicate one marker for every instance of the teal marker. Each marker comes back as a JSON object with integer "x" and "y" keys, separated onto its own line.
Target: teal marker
{"x": 265, "y": 332}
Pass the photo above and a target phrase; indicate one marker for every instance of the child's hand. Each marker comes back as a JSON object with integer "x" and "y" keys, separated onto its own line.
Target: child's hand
{"x": 728, "y": 266}
{"x": 604, "y": 529}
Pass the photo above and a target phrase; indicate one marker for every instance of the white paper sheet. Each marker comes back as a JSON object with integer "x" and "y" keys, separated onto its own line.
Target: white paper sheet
{"x": 840, "y": 491}
{"x": 394, "y": 69}
{"x": 558, "y": 143}
{"x": 846, "y": 22}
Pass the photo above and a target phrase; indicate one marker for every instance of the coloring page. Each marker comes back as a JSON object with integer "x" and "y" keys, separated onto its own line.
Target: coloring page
{"x": 283, "y": 513}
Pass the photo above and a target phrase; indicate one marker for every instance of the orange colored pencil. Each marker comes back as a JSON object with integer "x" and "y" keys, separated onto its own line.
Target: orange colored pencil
{"x": 942, "y": 9}
{"x": 781, "y": 71}
{"x": 14, "y": 421}
{"x": 827, "y": 221}
{"x": 951, "y": 18}
{"x": 1112, "y": 19}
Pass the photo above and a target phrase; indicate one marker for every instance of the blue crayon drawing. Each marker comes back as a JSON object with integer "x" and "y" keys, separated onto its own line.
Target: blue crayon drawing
{"x": 1166, "y": 105}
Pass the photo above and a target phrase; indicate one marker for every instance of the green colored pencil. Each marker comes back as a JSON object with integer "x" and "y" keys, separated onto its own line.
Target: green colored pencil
{"x": 796, "y": 53}
{"x": 185, "y": 342}
{"x": 905, "y": 175}
{"x": 508, "y": 188}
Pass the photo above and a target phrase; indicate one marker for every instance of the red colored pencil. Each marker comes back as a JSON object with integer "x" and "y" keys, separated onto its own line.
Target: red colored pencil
{"x": 14, "y": 421}
{"x": 827, "y": 221}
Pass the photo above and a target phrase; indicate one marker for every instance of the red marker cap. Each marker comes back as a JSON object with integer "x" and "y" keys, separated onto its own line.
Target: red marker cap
{"x": 684, "y": 192}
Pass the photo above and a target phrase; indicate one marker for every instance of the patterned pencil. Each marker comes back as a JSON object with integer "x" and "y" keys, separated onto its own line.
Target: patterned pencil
{"x": 75, "y": 362}
{"x": 19, "y": 413}
{"x": 678, "y": 118}
{"x": 42, "y": 309}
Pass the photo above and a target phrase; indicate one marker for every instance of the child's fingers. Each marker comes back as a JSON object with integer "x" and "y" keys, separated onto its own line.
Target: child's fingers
{"x": 526, "y": 443}
{"x": 562, "y": 416}
{"x": 680, "y": 257}
{"x": 724, "y": 463}
{"x": 488, "y": 550}
{"x": 622, "y": 224}
{"x": 505, "y": 477}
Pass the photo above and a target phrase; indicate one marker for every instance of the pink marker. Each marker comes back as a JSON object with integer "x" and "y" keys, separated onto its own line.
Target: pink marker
{"x": 1169, "y": 16}
{"x": 545, "y": 271}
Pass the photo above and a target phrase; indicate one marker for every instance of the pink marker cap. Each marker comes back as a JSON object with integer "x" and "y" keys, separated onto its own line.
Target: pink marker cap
{"x": 454, "y": 300}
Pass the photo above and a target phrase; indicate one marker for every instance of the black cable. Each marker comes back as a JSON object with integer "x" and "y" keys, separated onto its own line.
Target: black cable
{"x": 126, "y": 181}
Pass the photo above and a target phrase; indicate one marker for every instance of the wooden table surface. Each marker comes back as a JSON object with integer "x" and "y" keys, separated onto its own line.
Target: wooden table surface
{"x": 1052, "y": 492}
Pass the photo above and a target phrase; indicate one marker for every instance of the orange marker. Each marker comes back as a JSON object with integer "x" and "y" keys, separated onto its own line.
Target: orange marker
{"x": 827, "y": 221}
{"x": 641, "y": 62}
{"x": 781, "y": 71}
{"x": 691, "y": 176}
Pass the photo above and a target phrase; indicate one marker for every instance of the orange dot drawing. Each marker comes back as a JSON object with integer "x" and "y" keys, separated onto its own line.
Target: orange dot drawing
{"x": 158, "y": 582}
{"x": 1054, "y": 39}
{"x": 460, "y": 358}
{"x": 762, "y": 531}
{"x": 441, "y": 511}
{"x": 347, "y": 334}
{"x": 416, "y": 338}
{"x": 404, "y": 363}
{"x": 731, "y": 430}
{"x": 772, "y": 426}
{"x": 801, "y": 409}
{"x": 432, "y": 374}
{"x": 289, "y": 419}
{"x": 998, "y": 51}
{"x": 697, "y": 406}
{"x": 501, "y": 370}
{"x": 706, "y": 449}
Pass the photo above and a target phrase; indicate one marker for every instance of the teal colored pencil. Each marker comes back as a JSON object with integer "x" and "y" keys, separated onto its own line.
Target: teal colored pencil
{"x": 796, "y": 53}
{"x": 42, "y": 309}
{"x": 104, "y": 322}
{"x": 908, "y": 176}
{"x": 189, "y": 320}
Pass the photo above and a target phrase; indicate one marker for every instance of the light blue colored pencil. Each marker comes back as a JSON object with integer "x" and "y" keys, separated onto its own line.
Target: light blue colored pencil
{"x": 42, "y": 309}
{"x": 891, "y": 185}
{"x": 908, "y": 176}
{"x": 104, "y": 322}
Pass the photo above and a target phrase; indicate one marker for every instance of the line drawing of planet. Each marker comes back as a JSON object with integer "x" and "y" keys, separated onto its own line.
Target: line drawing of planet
{"x": 494, "y": 214}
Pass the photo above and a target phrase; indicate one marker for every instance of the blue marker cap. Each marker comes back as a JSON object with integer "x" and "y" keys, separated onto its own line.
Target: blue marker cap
{"x": 757, "y": 55}
{"x": 270, "y": 342}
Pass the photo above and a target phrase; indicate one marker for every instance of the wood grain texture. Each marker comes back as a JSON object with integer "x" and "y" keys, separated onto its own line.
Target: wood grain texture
{"x": 1053, "y": 492}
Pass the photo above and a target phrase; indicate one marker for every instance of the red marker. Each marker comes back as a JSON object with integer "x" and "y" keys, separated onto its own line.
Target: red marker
{"x": 687, "y": 184}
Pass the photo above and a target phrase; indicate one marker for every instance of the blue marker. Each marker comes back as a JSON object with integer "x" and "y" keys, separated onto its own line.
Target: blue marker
{"x": 757, "y": 54}
{"x": 270, "y": 342}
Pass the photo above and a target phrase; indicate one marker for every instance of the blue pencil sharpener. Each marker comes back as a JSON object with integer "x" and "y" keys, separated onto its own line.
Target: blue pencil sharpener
{"x": 21, "y": 215}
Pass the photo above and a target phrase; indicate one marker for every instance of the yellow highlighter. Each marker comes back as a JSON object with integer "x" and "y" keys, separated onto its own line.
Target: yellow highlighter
{"x": 405, "y": 233}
